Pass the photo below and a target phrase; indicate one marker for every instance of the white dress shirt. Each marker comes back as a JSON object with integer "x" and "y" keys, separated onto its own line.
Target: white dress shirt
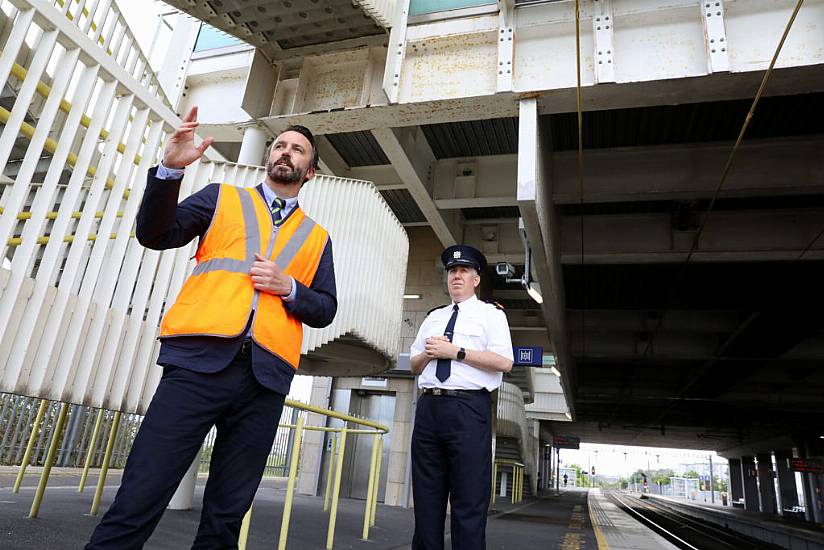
{"x": 479, "y": 326}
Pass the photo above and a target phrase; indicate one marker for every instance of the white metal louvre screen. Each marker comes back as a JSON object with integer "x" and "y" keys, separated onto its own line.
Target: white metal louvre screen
{"x": 83, "y": 118}
{"x": 382, "y": 11}
{"x": 371, "y": 249}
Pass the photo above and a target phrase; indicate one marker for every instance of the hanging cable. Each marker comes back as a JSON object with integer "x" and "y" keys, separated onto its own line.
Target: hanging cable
{"x": 695, "y": 242}
{"x": 580, "y": 159}
{"x": 724, "y": 175}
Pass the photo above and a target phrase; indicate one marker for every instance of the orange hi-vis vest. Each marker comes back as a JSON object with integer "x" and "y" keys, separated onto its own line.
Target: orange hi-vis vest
{"x": 218, "y": 296}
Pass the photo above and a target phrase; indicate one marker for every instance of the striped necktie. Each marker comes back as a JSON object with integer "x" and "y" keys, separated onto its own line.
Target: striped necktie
{"x": 277, "y": 210}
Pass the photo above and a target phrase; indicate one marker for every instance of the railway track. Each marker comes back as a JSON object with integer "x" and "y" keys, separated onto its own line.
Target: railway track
{"x": 682, "y": 530}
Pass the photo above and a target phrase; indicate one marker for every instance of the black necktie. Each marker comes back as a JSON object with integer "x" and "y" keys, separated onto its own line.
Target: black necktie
{"x": 277, "y": 210}
{"x": 445, "y": 365}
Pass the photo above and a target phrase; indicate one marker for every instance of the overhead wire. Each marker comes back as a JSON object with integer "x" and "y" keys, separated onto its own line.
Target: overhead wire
{"x": 579, "y": 99}
{"x": 708, "y": 212}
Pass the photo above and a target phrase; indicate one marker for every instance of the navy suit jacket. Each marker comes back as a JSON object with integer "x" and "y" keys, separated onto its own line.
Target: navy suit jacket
{"x": 162, "y": 223}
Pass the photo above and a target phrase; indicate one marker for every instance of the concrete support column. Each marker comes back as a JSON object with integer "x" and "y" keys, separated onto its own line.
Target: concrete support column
{"x": 253, "y": 146}
{"x": 312, "y": 446}
{"x": 736, "y": 480}
{"x": 813, "y": 484}
{"x": 750, "y": 483}
{"x": 766, "y": 483}
{"x": 396, "y": 473}
{"x": 787, "y": 491}
{"x": 182, "y": 499}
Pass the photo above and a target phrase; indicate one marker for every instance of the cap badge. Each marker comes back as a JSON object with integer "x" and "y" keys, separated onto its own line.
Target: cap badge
{"x": 456, "y": 254}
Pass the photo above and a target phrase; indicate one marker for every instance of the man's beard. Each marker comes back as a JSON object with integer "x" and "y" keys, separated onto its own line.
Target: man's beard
{"x": 293, "y": 175}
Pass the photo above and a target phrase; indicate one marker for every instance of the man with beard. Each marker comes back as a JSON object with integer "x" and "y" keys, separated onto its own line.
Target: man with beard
{"x": 231, "y": 342}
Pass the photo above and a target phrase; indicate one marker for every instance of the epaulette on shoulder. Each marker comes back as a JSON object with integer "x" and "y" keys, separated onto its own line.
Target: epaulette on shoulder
{"x": 494, "y": 303}
{"x": 436, "y": 307}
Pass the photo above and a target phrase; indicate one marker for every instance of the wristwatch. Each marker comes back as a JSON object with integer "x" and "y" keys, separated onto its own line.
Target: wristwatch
{"x": 461, "y": 354}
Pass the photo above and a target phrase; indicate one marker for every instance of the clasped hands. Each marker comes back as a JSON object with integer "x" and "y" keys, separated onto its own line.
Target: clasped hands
{"x": 268, "y": 277}
{"x": 439, "y": 347}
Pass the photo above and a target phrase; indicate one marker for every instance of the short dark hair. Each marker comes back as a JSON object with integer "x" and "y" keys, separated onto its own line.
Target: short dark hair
{"x": 305, "y": 132}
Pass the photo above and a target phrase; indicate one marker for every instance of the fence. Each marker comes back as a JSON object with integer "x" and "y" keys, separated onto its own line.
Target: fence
{"x": 17, "y": 415}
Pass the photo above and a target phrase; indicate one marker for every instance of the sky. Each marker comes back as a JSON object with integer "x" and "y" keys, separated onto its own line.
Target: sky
{"x": 610, "y": 460}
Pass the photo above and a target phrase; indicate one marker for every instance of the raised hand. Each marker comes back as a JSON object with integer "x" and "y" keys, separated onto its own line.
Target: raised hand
{"x": 181, "y": 150}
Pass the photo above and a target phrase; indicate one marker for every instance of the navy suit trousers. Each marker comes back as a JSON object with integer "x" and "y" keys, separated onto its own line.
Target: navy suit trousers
{"x": 452, "y": 460}
{"x": 183, "y": 410}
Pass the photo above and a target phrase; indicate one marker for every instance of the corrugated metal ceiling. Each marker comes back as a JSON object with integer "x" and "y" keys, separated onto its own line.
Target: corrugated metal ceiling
{"x": 403, "y": 205}
{"x": 659, "y": 125}
{"x": 358, "y": 148}
{"x": 497, "y": 136}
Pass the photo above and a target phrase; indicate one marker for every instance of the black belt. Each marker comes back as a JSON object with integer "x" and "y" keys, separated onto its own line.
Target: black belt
{"x": 453, "y": 393}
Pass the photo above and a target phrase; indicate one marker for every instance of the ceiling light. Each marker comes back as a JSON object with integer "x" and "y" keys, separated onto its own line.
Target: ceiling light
{"x": 569, "y": 416}
{"x": 411, "y": 296}
{"x": 534, "y": 291}
{"x": 555, "y": 371}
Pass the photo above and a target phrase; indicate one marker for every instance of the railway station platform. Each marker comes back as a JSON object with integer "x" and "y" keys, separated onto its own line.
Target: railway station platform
{"x": 544, "y": 521}
{"x": 615, "y": 530}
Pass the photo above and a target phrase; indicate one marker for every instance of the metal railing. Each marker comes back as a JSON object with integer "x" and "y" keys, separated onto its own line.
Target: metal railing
{"x": 36, "y": 432}
{"x": 517, "y": 469}
{"x": 333, "y": 480}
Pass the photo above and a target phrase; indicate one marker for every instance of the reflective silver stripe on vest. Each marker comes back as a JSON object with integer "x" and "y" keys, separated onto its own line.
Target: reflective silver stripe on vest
{"x": 285, "y": 257}
{"x": 247, "y": 206}
{"x": 290, "y": 250}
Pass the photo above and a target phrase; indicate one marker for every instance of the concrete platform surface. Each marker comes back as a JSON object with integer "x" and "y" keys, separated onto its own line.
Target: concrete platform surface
{"x": 546, "y": 521}
{"x": 617, "y": 530}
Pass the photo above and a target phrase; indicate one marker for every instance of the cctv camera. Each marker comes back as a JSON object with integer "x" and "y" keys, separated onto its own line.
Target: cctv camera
{"x": 505, "y": 269}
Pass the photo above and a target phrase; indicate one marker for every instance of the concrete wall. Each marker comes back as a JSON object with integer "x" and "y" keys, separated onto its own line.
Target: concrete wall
{"x": 425, "y": 278}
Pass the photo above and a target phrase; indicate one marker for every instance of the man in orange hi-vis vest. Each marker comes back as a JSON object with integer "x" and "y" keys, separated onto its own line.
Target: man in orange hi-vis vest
{"x": 230, "y": 344}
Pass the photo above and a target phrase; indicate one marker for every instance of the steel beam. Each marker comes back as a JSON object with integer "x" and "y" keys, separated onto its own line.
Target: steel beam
{"x": 410, "y": 154}
{"x": 541, "y": 225}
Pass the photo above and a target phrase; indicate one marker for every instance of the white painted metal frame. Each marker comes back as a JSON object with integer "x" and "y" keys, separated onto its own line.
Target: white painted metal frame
{"x": 603, "y": 28}
{"x": 715, "y": 34}
{"x": 506, "y": 44}
{"x": 395, "y": 52}
{"x": 540, "y": 223}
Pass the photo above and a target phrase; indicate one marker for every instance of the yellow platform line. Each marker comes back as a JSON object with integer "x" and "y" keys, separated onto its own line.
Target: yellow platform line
{"x": 599, "y": 535}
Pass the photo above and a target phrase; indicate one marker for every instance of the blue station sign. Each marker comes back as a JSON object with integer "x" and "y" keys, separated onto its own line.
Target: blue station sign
{"x": 528, "y": 357}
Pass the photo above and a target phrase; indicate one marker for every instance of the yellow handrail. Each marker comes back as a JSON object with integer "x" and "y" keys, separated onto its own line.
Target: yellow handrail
{"x": 44, "y": 90}
{"x": 51, "y": 146}
{"x": 334, "y": 414}
{"x": 17, "y": 241}
{"x": 333, "y": 482}
{"x": 26, "y": 215}
{"x": 517, "y": 479}
{"x": 93, "y": 26}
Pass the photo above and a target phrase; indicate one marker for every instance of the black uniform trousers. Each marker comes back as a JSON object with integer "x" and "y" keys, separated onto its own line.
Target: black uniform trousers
{"x": 184, "y": 408}
{"x": 452, "y": 459}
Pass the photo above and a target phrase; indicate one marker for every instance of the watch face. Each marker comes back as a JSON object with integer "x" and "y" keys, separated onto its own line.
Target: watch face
{"x": 461, "y": 353}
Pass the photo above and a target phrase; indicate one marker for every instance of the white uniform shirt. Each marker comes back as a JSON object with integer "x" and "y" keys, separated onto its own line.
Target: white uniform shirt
{"x": 479, "y": 326}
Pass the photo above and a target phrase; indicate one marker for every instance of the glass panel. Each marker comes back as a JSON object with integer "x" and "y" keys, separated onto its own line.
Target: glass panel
{"x": 210, "y": 38}
{"x": 420, "y": 7}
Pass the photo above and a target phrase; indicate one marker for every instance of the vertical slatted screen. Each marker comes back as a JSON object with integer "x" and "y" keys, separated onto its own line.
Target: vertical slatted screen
{"x": 83, "y": 118}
